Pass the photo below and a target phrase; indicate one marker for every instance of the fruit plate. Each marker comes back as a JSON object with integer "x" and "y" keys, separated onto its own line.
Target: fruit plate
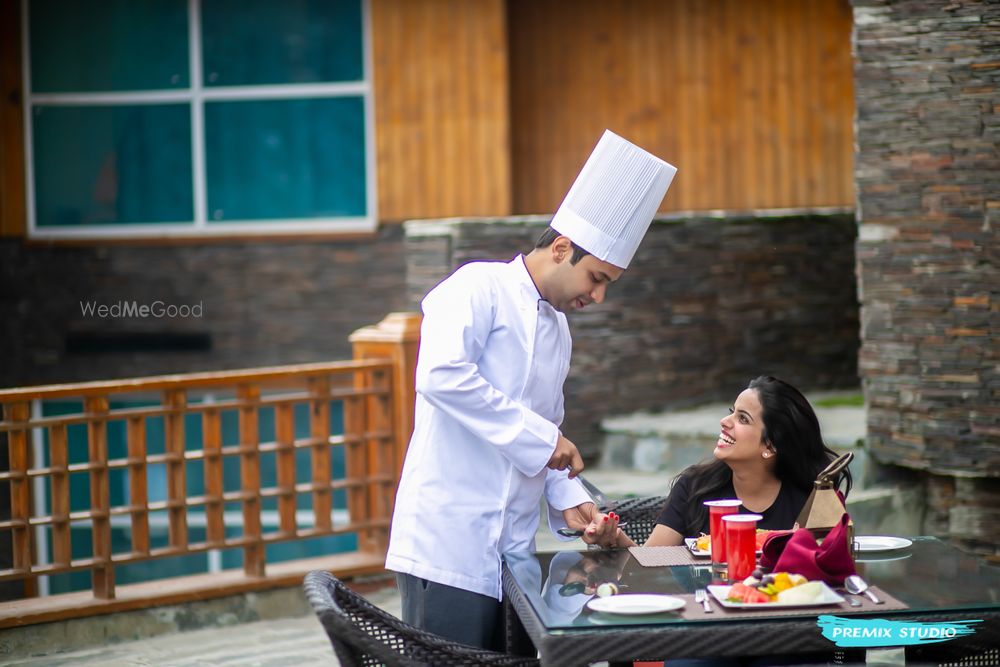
{"x": 868, "y": 543}
{"x": 692, "y": 545}
{"x": 827, "y": 597}
{"x": 635, "y": 603}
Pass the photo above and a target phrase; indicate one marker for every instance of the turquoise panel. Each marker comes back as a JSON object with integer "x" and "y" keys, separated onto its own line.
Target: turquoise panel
{"x": 279, "y": 159}
{"x": 259, "y": 42}
{"x": 111, "y": 45}
{"x": 110, "y": 165}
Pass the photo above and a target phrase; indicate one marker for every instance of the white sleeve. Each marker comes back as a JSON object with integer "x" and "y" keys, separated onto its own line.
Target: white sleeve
{"x": 561, "y": 493}
{"x": 458, "y": 317}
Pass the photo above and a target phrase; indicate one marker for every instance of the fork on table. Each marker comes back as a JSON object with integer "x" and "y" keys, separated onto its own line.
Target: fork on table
{"x": 701, "y": 597}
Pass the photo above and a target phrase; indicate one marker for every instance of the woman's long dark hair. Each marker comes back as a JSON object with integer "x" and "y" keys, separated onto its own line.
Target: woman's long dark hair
{"x": 792, "y": 430}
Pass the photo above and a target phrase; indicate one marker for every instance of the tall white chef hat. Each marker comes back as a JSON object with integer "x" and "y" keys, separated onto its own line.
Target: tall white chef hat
{"x": 613, "y": 200}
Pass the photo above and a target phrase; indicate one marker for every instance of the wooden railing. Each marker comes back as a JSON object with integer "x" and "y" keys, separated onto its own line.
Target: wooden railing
{"x": 374, "y": 392}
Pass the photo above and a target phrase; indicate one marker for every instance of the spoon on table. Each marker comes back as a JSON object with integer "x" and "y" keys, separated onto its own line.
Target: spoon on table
{"x": 852, "y": 600}
{"x": 856, "y": 585}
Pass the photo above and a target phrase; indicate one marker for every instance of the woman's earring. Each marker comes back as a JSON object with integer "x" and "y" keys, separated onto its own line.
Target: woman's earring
{"x": 766, "y": 455}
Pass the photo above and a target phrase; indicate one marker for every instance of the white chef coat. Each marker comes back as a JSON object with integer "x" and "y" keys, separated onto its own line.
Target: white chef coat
{"x": 493, "y": 358}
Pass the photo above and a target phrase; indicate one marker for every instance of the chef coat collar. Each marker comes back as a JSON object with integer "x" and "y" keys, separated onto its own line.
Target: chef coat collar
{"x": 528, "y": 287}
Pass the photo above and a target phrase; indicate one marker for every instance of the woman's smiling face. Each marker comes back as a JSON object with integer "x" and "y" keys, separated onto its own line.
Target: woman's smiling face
{"x": 741, "y": 438}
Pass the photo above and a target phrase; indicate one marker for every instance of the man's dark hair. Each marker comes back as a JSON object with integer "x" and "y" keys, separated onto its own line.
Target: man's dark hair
{"x": 550, "y": 235}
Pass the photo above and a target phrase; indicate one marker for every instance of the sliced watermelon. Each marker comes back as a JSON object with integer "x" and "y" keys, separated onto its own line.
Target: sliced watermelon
{"x": 737, "y": 591}
{"x": 753, "y": 596}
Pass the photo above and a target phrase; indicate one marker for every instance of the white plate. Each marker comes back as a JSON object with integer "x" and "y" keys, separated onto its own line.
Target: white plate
{"x": 881, "y": 557}
{"x": 693, "y": 548}
{"x": 635, "y": 603}
{"x": 828, "y": 597}
{"x": 867, "y": 543}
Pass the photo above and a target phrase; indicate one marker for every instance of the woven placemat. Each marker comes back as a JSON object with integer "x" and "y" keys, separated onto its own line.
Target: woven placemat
{"x": 693, "y": 611}
{"x": 665, "y": 556}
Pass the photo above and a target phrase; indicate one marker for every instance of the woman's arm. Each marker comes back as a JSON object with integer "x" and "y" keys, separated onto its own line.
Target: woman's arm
{"x": 664, "y": 536}
{"x": 673, "y": 518}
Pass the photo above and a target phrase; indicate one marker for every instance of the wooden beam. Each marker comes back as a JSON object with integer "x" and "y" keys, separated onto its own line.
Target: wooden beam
{"x": 189, "y": 381}
{"x": 183, "y": 589}
{"x": 13, "y": 217}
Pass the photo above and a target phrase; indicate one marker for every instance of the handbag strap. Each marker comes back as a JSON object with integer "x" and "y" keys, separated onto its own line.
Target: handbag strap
{"x": 826, "y": 475}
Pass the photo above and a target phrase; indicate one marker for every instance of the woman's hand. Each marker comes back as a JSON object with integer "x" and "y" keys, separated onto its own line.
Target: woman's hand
{"x": 602, "y": 530}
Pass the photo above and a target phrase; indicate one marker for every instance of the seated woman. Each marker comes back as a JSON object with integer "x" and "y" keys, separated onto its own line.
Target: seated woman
{"x": 768, "y": 455}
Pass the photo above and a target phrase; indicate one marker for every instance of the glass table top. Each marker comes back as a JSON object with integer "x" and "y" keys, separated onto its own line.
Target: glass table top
{"x": 928, "y": 576}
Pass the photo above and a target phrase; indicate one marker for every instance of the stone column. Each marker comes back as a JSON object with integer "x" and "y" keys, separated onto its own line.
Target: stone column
{"x": 927, "y": 171}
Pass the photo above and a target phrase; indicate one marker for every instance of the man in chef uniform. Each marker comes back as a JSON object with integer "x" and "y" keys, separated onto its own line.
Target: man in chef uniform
{"x": 486, "y": 445}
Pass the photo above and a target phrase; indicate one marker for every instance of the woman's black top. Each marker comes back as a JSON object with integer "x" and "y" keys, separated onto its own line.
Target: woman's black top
{"x": 677, "y": 513}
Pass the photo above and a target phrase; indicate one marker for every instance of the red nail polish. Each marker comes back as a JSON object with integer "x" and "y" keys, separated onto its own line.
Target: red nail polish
{"x": 605, "y": 518}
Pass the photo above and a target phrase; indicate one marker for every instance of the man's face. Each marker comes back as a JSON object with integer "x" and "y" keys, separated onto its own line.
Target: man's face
{"x": 575, "y": 286}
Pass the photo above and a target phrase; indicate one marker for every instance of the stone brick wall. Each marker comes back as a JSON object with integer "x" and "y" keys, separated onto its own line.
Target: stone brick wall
{"x": 708, "y": 303}
{"x": 263, "y": 303}
{"x": 927, "y": 170}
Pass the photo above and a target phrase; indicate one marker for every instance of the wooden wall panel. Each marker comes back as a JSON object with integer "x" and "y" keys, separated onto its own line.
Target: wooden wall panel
{"x": 752, "y": 100}
{"x": 12, "y": 207}
{"x": 441, "y": 108}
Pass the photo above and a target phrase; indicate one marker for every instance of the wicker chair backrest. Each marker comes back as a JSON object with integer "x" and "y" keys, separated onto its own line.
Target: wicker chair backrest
{"x": 364, "y": 635}
{"x": 641, "y": 514}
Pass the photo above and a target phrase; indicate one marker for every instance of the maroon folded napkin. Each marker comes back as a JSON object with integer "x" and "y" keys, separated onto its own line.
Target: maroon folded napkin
{"x": 797, "y": 552}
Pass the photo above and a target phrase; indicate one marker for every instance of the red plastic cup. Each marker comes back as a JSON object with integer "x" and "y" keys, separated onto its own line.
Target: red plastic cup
{"x": 716, "y": 510}
{"x": 741, "y": 544}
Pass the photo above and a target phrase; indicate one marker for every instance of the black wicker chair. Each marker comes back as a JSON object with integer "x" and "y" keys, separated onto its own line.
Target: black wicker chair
{"x": 364, "y": 635}
{"x": 640, "y": 513}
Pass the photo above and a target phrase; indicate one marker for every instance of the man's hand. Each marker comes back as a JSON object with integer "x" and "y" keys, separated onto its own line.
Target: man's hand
{"x": 566, "y": 456}
{"x": 599, "y": 529}
{"x": 579, "y": 517}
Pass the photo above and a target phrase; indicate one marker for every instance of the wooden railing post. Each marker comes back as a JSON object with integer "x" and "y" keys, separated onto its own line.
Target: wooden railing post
{"x": 396, "y": 338}
{"x": 319, "y": 432}
{"x": 215, "y": 527}
{"x": 356, "y": 461}
{"x": 176, "y": 401}
{"x": 138, "y": 490}
{"x": 100, "y": 497}
{"x": 20, "y": 486}
{"x": 62, "y": 548}
{"x": 284, "y": 432}
{"x": 253, "y": 553}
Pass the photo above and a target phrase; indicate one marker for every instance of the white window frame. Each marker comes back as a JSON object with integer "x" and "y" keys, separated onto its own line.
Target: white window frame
{"x": 197, "y": 95}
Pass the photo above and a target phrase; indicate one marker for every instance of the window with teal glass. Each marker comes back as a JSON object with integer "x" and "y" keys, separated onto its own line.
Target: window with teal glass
{"x": 276, "y": 158}
{"x": 267, "y": 130}
{"x": 257, "y": 42}
{"x": 83, "y": 46}
{"x": 111, "y": 178}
